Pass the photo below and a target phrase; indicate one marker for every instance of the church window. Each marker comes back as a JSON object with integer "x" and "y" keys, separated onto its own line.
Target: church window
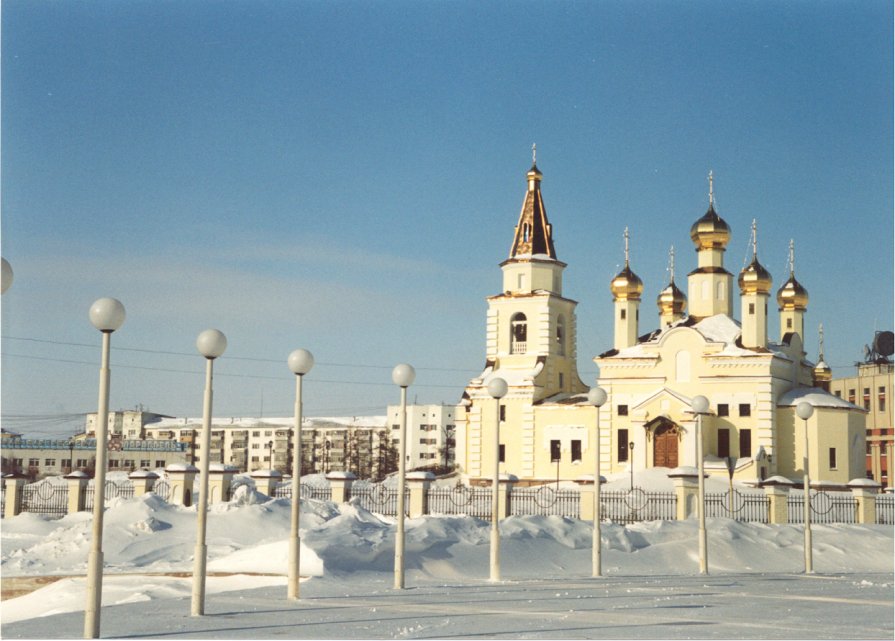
{"x": 560, "y": 337}
{"x": 723, "y": 409}
{"x": 788, "y": 323}
{"x": 724, "y": 443}
{"x": 518, "y": 333}
{"x": 622, "y": 410}
{"x": 745, "y": 443}
{"x": 751, "y": 309}
{"x": 622, "y": 450}
{"x": 832, "y": 458}
{"x": 554, "y": 452}
{"x": 502, "y": 453}
{"x": 637, "y": 314}
{"x": 576, "y": 451}
{"x": 745, "y": 409}
{"x": 682, "y": 366}
{"x": 521, "y": 281}
{"x": 623, "y": 315}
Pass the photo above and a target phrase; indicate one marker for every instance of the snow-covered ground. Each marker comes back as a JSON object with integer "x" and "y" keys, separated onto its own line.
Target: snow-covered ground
{"x": 755, "y": 588}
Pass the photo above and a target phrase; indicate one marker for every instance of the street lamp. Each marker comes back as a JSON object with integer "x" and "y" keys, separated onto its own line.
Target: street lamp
{"x": 497, "y": 389}
{"x": 597, "y": 397}
{"x": 631, "y": 463}
{"x": 805, "y": 410}
{"x": 107, "y": 315}
{"x": 71, "y": 455}
{"x": 7, "y": 276}
{"x": 300, "y": 362}
{"x": 700, "y": 406}
{"x": 211, "y": 343}
{"x": 270, "y": 455}
{"x": 402, "y": 376}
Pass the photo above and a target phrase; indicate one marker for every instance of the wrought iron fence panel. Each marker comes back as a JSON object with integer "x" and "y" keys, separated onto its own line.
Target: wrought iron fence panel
{"x": 741, "y": 506}
{"x": 461, "y": 499}
{"x": 124, "y": 489}
{"x": 306, "y": 491}
{"x": 545, "y": 501}
{"x": 379, "y": 498}
{"x": 630, "y": 506}
{"x": 45, "y": 498}
{"x": 162, "y": 489}
{"x": 885, "y": 509}
{"x": 283, "y": 491}
{"x": 3, "y": 500}
{"x": 826, "y": 507}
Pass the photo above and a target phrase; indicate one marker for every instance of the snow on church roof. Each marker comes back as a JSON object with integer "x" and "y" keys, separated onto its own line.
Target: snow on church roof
{"x": 512, "y": 377}
{"x": 816, "y": 396}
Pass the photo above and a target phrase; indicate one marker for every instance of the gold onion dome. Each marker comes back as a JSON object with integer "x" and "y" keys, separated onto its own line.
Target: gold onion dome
{"x": 822, "y": 371}
{"x": 792, "y": 295}
{"x": 671, "y": 300}
{"x": 710, "y": 231}
{"x": 626, "y": 285}
{"x": 755, "y": 279}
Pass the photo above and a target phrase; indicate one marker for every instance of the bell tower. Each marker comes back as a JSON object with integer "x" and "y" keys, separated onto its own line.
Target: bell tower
{"x": 709, "y": 285}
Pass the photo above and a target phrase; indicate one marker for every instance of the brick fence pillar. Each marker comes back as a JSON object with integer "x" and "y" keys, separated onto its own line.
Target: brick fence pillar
{"x": 418, "y": 483}
{"x": 340, "y": 482}
{"x": 181, "y": 477}
{"x": 220, "y": 479}
{"x": 143, "y": 481}
{"x": 266, "y": 481}
{"x": 776, "y": 488}
{"x": 686, "y": 490}
{"x": 14, "y": 486}
{"x": 865, "y": 491}
{"x": 77, "y": 491}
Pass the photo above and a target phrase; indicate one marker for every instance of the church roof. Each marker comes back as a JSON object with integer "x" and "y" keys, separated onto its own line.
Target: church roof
{"x": 817, "y": 397}
{"x": 534, "y": 233}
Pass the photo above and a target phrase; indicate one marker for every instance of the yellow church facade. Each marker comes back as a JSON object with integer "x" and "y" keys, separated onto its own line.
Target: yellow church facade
{"x": 753, "y": 381}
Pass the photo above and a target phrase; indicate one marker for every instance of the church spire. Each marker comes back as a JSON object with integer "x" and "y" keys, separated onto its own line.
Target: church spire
{"x": 533, "y": 237}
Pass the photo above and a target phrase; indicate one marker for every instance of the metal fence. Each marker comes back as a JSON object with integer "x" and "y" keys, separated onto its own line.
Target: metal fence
{"x": 45, "y": 498}
{"x": 306, "y": 491}
{"x": 826, "y": 507}
{"x": 741, "y": 506}
{"x": 124, "y": 489}
{"x": 545, "y": 501}
{"x": 379, "y": 498}
{"x": 885, "y": 509}
{"x": 461, "y": 499}
{"x": 638, "y": 505}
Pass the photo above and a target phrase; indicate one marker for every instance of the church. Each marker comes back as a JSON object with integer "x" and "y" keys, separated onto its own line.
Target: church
{"x": 753, "y": 382}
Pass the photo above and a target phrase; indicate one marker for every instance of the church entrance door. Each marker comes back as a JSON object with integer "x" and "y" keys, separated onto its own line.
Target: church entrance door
{"x": 665, "y": 442}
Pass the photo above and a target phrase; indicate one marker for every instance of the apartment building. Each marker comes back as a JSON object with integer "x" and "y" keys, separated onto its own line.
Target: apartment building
{"x": 431, "y": 435}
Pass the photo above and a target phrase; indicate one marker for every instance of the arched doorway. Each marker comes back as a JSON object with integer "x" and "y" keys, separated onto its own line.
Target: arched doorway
{"x": 666, "y": 438}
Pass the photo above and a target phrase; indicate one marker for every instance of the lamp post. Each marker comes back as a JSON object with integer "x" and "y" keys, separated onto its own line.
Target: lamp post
{"x": 700, "y": 406}
{"x": 7, "y": 276}
{"x": 211, "y": 343}
{"x": 300, "y": 362}
{"x": 270, "y": 455}
{"x": 107, "y": 315}
{"x": 631, "y": 463}
{"x": 71, "y": 455}
{"x": 597, "y": 397}
{"x": 805, "y": 410}
{"x": 497, "y": 389}
{"x": 402, "y": 376}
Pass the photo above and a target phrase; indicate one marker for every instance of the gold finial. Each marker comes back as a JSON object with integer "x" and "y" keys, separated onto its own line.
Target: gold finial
{"x": 671, "y": 262}
{"x": 534, "y": 153}
{"x": 820, "y": 331}
{"x": 792, "y": 260}
{"x": 626, "y": 246}
{"x": 711, "y": 189}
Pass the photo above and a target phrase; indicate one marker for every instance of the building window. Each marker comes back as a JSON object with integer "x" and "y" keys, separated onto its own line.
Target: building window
{"x": 723, "y": 409}
{"x": 788, "y": 323}
{"x": 256, "y": 433}
{"x": 576, "y": 451}
{"x": 724, "y": 443}
{"x": 851, "y": 396}
{"x": 554, "y": 452}
{"x": 560, "y": 336}
{"x": 832, "y": 458}
{"x": 502, "y": 453}
{"x": 622, "y": 410}
{"x": 129, "y": 462}
{"x": 114, "y": 463}
{"x": 751, "y": 309}
{"x": 66, "y": 462}
{"x": 622, "y": 445}
{"x": 518, "y": 333}
{"x": 81, "y": 462}
{"x": 745, "y": 409}
{"x": 503, "y": 412}
{"x": 396, "y": 427}
{"x": 838, "y": 393}
{"x": 623, "y": 315}
{"x": 745, "y": 443}
{"x": 50, "y": 462}
{"x": 160, "y": 463}
{"x": 867, "y": 398}
{"x": 144, "y": 462}
{"x": 560, "y": 380}
{"x": 34, "y": 462}
{"x": 267, "y": 432}
{"x": 881, "y": 396}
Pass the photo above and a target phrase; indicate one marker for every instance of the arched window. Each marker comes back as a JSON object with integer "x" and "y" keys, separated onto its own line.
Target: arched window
{"x": 682, "y": 366}
{"x": 518, "y": 333}
{"x": 560, "y": 335}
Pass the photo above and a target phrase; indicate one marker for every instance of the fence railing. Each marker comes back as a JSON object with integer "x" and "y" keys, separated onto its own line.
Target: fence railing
{"x": 885, "y": 509}
{"x": 638, "y": 505}
{"x": 114, "y": 489}
{"x": 826, "y": 507}
{"x": 740, "y": 506}
{"x": 306, "y": 491}
{"x": 460, "y": 499}
{"x": 379, "y": 498}
{"x": 45, "y": 498}
{"x": 545, "y": 501}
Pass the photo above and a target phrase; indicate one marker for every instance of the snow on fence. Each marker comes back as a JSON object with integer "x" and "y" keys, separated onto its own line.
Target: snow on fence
{"x": 545, "y": 501}
{"x": 124, "y": 489}
{"x": 306, "y": 491}
{"x": 885, "y": 509}
{"x": 461, "y": 499}
{"x": 826, "y": 507}
{"x": 638, "y": 505}
{"x": 379, "y": 498}
{"x": 741, "y": 506}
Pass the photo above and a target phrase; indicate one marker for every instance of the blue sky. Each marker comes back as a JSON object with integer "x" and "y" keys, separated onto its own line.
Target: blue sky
{"x": 345, "y": 177}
